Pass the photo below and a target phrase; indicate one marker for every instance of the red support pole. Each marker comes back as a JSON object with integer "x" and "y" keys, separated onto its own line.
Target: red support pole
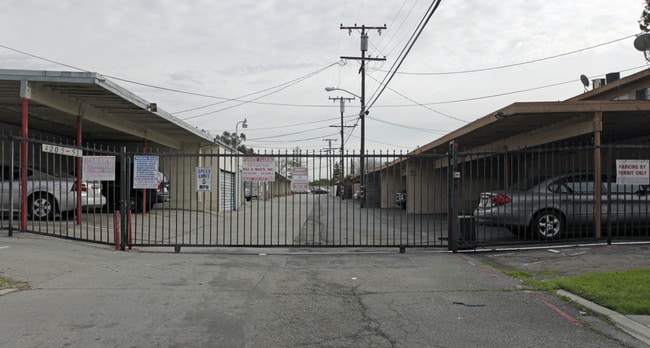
{"x": 78, "y": 172}
{"x": 23, "y": 165}
{"x": 116, "y": 228}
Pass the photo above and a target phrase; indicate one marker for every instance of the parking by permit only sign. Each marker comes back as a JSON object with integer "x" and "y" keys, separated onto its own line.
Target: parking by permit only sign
{"x": 258, "y": 169}
{"x": 203, "y": 179}
{"x": 632, "y": 172}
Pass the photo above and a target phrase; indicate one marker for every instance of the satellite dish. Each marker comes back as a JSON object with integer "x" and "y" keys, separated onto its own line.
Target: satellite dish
{"x": 642, "y": 42}
{"x": 585, "y": 80}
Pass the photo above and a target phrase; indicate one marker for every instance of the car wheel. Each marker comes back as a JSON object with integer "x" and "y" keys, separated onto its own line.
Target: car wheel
{"x": 547, "y": 224}
{"x": 41, "y": 206}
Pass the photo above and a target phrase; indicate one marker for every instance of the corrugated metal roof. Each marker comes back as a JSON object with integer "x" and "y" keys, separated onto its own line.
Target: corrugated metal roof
{"x": 110, "y": 112}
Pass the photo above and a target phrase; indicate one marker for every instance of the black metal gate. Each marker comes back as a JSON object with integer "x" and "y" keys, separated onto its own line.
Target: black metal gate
{"x": 425, "y": 200}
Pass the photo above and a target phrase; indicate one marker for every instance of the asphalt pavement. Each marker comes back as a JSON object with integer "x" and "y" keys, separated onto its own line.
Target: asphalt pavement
{"x": 557, "y": 261}
{"x": 84, "y": 295}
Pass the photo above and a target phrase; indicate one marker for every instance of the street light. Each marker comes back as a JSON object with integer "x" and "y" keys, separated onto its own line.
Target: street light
{"x": 342, "y": 110}
{"x": 330, "y": 89}
{"x": 234, "y": 139}
{"x": 362, "y": 116}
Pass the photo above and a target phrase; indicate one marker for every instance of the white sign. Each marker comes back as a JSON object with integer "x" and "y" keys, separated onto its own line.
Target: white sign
{"x": 258, "y": 169}
{"x": 60, "y": 150}
{"x": 632, "y": 172}
{"x": 98, "y": 168}
{"x": 145, "y": 172}
{"x": 203, "y": 179}
{"x": 300, "y": 179}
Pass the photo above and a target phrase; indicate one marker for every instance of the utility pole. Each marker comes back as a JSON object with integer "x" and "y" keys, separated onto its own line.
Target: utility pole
{"x": 342, "y": 109}
{"x": 362, "y": 113}
{"x": 329, "y": 157}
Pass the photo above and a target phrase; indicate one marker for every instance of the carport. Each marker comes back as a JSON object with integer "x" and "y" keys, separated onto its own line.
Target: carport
{"x": 89, "y": 107}
{"x": 84, "y": 107}
{"x": 612, "y": 114}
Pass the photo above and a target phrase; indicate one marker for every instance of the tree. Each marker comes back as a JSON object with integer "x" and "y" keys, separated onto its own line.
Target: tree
{"x": 336, "y": 175}
{"x": 371, "y": 163}
{"x": 288, "y": 162}
{"x": 236, "y": 141}
{"x": 644, "y": 22}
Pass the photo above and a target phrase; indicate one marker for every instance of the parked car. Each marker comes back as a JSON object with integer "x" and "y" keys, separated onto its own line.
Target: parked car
{"x": 91, "y": 195}
{"x": 548, "y": 205}
{"x": 400, "y": 199}
{"x": 320, "y": 190}
{"x": 49, "y": 194}
{"x": 163, "y": 193}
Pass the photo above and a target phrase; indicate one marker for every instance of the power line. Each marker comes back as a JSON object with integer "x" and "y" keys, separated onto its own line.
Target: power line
{"x": 261, "y": 91}
{"x": 419, "y": 129}
{"x": 513, "y": 64}
{"x": 295, "y": 124}
{"x": 296, "y": 81}
{"x": 422, "y": 105}
{"x": 287, "y": 141}
{"x": 333, "y": 106}
{"x": 295, "y": 133}
{"x": 402, "y": 56}
{"x": 379, "y": 142}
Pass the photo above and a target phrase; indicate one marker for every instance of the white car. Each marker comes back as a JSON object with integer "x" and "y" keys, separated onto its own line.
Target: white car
{"x": 91, "y": 195}
{"x": 49, "y": 194}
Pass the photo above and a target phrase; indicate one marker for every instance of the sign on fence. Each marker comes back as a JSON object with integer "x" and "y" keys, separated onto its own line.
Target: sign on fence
{"x": 98, "y": 168}
{"x": 203, "y": 179}
{"x": 300, "y": 179}
{"x": 62, "y": 150}
{"x": 258, "y": 169}
{"x": 145, "y": 172}
{"x": 632, "y": 172}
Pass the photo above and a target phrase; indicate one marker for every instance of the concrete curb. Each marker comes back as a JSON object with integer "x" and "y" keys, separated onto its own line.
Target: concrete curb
{"x": 7, "y": 291}
{"x": 625, "y": 323}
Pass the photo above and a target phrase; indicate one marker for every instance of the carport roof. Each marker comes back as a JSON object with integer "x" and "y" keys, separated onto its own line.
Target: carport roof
{"x": 536, "y": 123}
{"x": 110, "y": 113}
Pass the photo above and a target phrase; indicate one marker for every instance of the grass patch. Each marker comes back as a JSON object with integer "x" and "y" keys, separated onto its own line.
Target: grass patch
{"x": 12, "y": 284}
{"x": 626, "y": 292}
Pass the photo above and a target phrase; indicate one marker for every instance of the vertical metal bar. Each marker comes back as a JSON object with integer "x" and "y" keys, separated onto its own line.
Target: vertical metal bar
{"x": 453, "y": 183}
{"x": 78, "y": 172}
{"x": 124, "y": 197}
{"x": 23, "y": 165}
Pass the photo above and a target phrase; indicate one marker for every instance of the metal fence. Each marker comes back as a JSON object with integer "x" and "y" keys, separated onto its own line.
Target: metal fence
{"x": 553, "y": 194}
{"x": 453, "y": 200}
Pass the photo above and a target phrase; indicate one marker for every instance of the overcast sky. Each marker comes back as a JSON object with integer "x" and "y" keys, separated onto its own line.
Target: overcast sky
{"x": 288, "y": 51}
